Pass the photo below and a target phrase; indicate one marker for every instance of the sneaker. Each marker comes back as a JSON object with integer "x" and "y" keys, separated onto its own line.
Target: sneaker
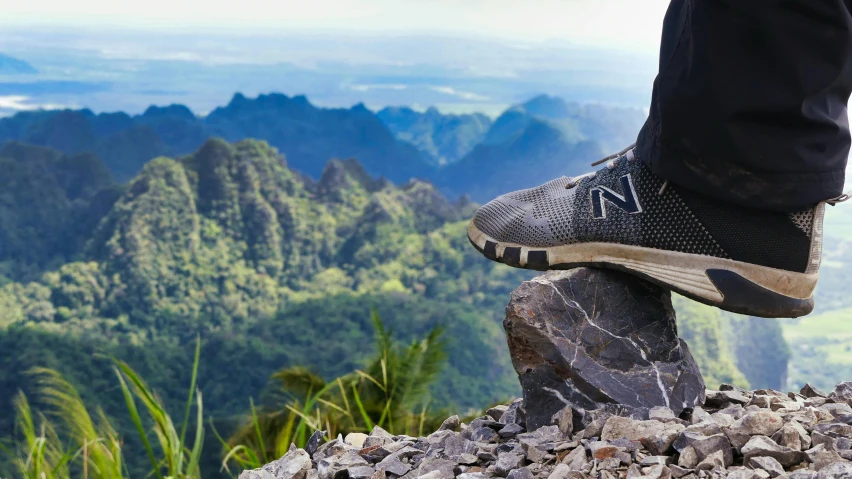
{"x": 748, "y": 261}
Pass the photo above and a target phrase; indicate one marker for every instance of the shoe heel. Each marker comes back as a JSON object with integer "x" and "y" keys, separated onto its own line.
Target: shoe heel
{"x": 744, "y": 296}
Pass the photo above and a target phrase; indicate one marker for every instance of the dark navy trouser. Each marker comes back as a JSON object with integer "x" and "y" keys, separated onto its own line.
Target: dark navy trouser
{"x": 749, "y": 105}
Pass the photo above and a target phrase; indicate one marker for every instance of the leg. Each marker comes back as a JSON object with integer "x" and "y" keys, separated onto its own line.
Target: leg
{"x": 750, "y": 102}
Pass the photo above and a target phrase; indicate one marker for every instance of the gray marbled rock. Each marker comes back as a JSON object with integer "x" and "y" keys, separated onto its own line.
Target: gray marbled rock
{"x": 589, "y": 337}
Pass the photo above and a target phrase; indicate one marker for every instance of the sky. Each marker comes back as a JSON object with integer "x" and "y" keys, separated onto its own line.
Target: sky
{"x": 622, "y": 24}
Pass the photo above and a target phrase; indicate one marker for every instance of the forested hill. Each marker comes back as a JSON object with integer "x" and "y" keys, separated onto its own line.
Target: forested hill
{"x": 270, "y": 268}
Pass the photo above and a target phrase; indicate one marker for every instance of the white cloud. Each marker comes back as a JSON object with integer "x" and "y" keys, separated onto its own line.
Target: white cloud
{"x": 629, "y": 24}
{"x": 461, "y": 94}
{"x": 21, "y": 103}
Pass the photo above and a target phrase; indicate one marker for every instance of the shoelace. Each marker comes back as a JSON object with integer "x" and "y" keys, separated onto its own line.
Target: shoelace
{"x": 611, "y": 161}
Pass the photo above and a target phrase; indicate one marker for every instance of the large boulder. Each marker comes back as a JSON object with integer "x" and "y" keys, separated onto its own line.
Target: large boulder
{"x": 590, "y": 337}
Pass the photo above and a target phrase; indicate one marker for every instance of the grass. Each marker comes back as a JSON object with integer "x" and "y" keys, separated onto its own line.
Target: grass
{"x": 71, "y": 439}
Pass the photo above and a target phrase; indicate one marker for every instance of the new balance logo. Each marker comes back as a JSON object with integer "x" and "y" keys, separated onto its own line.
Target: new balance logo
{"x": 629, "y": 202}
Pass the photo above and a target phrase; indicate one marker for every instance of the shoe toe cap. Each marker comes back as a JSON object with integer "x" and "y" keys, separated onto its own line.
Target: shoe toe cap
{"x": 501, "y": 219}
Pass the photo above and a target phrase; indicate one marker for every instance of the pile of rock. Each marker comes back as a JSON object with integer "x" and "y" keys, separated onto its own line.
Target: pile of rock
{"x": 735, "y": 434}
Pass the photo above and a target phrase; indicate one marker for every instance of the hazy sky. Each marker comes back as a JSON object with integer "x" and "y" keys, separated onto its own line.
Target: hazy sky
{"x": 627, "y": 24}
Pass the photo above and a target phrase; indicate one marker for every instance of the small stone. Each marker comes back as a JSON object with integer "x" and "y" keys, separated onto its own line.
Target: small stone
{"x": 838, "y": 470}
{"x": 712, "y": 461}
{"x": 379, "y": 432}
{"x": 314, "y": 442}
{"x": 561, "y": 471}
{"x": 803, "y": 474}
{"x": 792, "y": 435}
{"x": 656, "y": 460}
{"x": 564, "y": 419}
{"x": 437, "y": 469}
{"x": 834, "y": 430}
{"x": 768, "y": 464}
{"x": 472, "y": 475}
{"x": 450, "y": 424}
{"x": 356, "y": 439}
{"x": 842, "y": 392}
{"x": 678, "y": 471}
{"x": 520, "y": 473}
{"x": 836, "y": 409}
{"x": 576, "y": 459}
{"x": 497, "y": 412}
{"x": 361, "y": 472}
{"x": 820, "y": 457}
{"x": 763, "y": 446}
{"x": 706, "y": 445}
{"x": 484, "y": 434}
{"x": 660, "y": 443}
{"x": 507, "y": 462}
{"x": 688, "y": 458}
{"x": 722, "y": 398}
{"x": 510, "y": 430}
{"x": 623, "y": 427}
{"x": 661, "y": 412}
{"x": 818, "y": 438}
{"x": 467, "y": 459}
{"x": 293, "y": 465}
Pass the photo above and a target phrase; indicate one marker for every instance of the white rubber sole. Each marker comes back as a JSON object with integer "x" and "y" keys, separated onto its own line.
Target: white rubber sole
{"x": 730, "y": 285}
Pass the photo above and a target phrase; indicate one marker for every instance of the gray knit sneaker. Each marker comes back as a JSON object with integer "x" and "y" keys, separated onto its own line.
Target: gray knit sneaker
{"x": 748, "y": 261}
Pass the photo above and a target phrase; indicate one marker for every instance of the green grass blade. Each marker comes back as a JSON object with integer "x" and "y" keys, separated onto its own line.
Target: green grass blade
{"x": 367, "y": 422}
{"x": 191, "y": 390}
{"x": 192, "y": 468}
{"x": 257, "y": 431}
{"x": 137, "y": 421}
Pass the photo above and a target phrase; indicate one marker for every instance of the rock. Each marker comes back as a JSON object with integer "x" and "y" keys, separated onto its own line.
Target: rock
{"x": 496, "y": 412}
{"x": 705, "y": 446}
{"x": 810, "y": 391}
{"x": 660, "y": 443}
{"x": 576, "y": 459}
{"x": 678, "y": 471}
{"x": 450, "y": 424}
{"x": 835, "y": 430}
{"x": 768, "y": 464}
{"x": 293, "y": 465}
{"x": 627, "y": 353}
{"x": 722, "y": 398}
{"x": 838, "y": 470}
{"x": 688, "y": 458}
{"x": 803, "y": 474}
{"x": 792, "y": 435}
{"x": 436, "y": 469}
{"x": 565, "y": 420}
{"x": 820, "y": 457}
{"x": 624, "y": 427}
{"x": 842, "y": 392}
{"x": 507, "y": 462}
{"x": 656, "y": 460}
{"x": 520, "y": 473}
{"x": 714, "y": 460}
{"x": 510, "y": 430}
{"x": 560, "y": 472}
{"x": 314, "y": 442}
{"x": 356, "y": 439}
{"x": 361, "y": 472}
{"x": 763, "y": 446}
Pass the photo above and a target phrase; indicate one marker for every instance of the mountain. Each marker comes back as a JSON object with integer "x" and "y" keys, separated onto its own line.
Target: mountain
{"x": 308, "y": 135}
{"x": 443, "y": 139}
{"x": 536, "y": 141}
{"x": 49, "y": 206}
{"x": 14, "y": 66}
